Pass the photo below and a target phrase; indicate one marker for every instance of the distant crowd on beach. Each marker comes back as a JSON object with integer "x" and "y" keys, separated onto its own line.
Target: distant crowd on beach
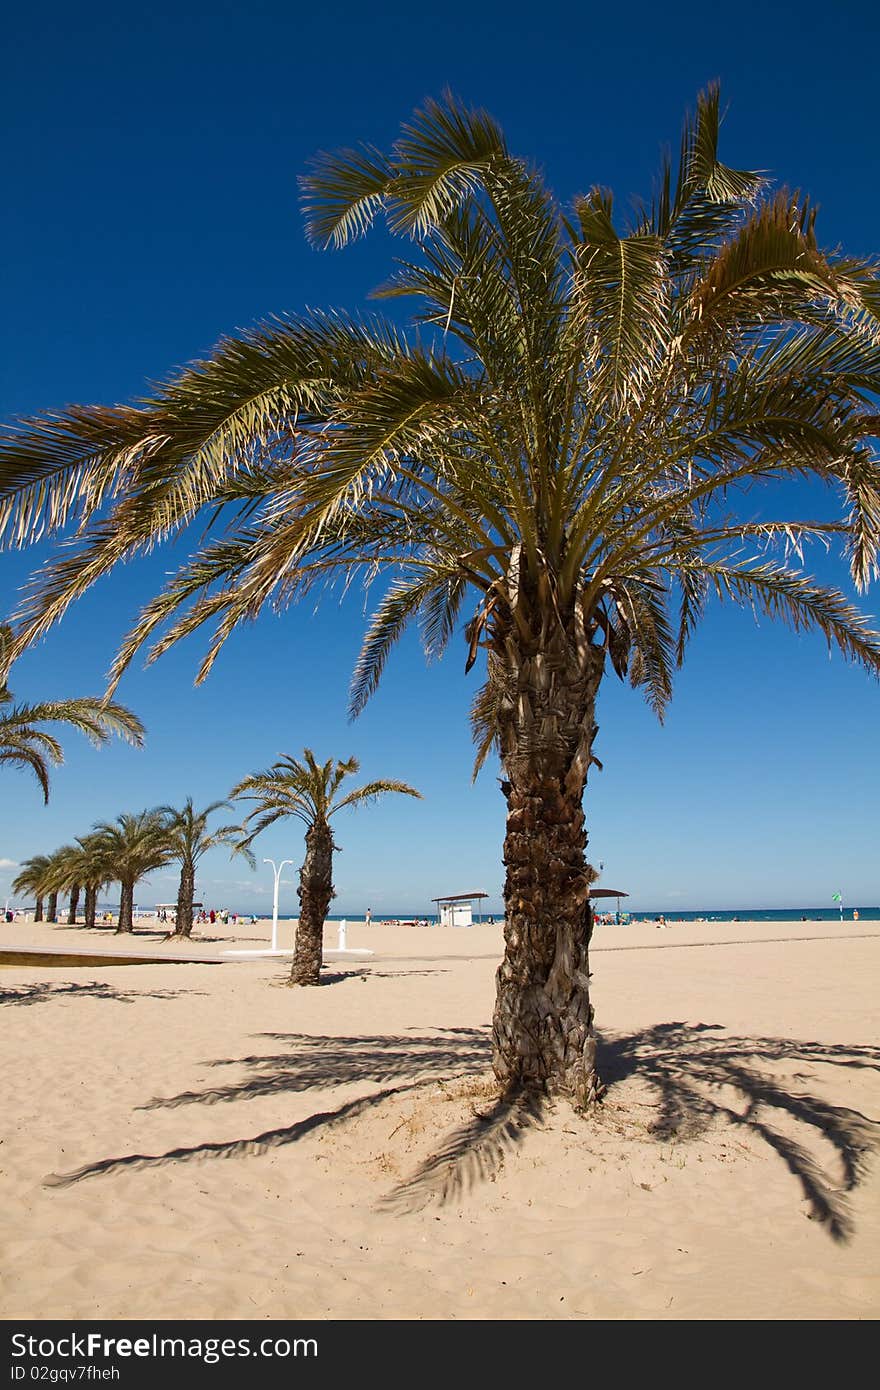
{"x": 210, "y": 916}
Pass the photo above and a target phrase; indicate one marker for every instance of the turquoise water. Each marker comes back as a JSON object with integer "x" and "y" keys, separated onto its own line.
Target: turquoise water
{"x": 741, "y": 914}
{"x": 748, "y": 914}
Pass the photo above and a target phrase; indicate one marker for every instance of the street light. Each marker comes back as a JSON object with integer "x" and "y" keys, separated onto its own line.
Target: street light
{"x": 275, "y": 902}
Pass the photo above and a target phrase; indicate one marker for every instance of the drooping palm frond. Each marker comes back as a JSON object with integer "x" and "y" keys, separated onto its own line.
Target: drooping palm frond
{"x": 31, "y": 877}
{"x": 24, "y": 744}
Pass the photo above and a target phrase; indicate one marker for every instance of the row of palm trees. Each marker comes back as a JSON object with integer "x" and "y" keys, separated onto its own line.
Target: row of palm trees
{"x": 125, "y": 850}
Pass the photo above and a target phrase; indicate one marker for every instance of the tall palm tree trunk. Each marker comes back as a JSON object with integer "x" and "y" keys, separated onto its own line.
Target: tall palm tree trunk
{"x": 74, "y": 904}
{"x": 91, "y": 905}
{"x": 52, "y": 908}
{"x": 315, "y": 892}
{"x": 185, "y": 894}
{"x": 126, "y": 908}
{"x": 38, "y": 910}
{"x": 543, "y": 1023}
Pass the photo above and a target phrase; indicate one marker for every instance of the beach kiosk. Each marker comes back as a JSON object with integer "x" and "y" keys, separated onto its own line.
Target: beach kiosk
{"x": 456, "y": 910}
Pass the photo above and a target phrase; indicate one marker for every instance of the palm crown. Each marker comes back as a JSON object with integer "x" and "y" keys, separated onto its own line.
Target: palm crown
{"x": 24, "y": 744}
{"x": 588, "y": 405}
{"x": 189, "y": 836}
{"x": 306, "y": 791}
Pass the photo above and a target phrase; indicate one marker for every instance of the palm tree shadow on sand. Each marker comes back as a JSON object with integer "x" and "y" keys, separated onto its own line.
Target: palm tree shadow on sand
{"x": 700, "y": 1077}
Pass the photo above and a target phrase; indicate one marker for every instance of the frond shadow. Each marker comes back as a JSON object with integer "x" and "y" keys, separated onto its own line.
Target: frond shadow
{"x": 313, "y": 1061}
{"x": 43, "y": 992}
{"x": 471, "y": 1154}
{"x": 235, "y": 1148}
{"x": 701, "y": 1076}
{"x": 692, "y": 1067}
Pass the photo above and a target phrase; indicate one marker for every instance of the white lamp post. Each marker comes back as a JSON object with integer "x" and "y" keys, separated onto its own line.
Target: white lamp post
{"x": 275, "y": 901}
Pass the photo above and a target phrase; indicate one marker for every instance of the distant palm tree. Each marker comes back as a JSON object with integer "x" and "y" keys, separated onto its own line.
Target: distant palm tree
{"x": 129, "y": 847}
{"x": 307, "y": 791}
{"x": 23, "y": 744}
{"x": 63, "y": 876}
{"x": 81, "y": 866}
{"x": 31, "y": 879}
{"x": 190, "y": 838}
{"x": 95, "y": 872}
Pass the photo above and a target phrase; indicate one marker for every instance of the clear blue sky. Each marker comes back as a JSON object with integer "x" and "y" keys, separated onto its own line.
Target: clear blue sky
{"x": 150, "y": 173}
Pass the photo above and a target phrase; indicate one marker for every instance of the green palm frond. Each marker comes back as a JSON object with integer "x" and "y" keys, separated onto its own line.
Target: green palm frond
{"x": 371, "y": 791}
{"x": 31, "y": 876}
{"x": 19, "y": 753}
{"x": 621, "y": 295}
{"x": 306, "y": 791}
{"x": 803, "y": 604}
{"x": 24, "y": 744}
{"x": 403, "y": 600}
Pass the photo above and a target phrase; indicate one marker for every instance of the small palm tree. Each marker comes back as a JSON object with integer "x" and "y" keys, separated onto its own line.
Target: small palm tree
{"x": 190, "y": 838}
{"x": 31, "y": 879}
{"x": 307, "y": 791}
{"x": 95, "y": 874}
{"x": 63, "y": 876}
{"x": 130, "y": 847}
{"x": 77, "y": 867}
{"x": 24, "y": 744}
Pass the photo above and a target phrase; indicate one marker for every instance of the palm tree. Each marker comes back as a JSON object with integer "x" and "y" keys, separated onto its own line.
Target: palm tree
{"x": 190, "y": 839}
{"x": 25, "y": 745}
{"x": 130, "y": 847}
{"x": 81, "y": 866}
{"x": 31, "y": 879}
{"x": 63, "y": 876}
{"x": 95, "y": 873}
{"x": 307, "y": 790}
{"x": 565, "y": 452}
{"x": 55, "y": 879}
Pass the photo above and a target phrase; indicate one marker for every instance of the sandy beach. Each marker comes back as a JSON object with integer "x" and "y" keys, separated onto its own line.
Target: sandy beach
{"x": 195, "y": 1140}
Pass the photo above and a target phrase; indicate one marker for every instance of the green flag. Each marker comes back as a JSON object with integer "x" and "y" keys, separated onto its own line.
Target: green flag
{"x": 835, "y": 897}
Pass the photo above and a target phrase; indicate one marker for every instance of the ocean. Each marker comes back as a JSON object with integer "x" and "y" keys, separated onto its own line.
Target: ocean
{"x": 763, "y": 914}
{"x": 739, "y": 914}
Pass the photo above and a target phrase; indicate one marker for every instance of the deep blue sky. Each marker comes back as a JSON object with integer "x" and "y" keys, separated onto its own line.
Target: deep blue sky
{"x": 150, "y": 171}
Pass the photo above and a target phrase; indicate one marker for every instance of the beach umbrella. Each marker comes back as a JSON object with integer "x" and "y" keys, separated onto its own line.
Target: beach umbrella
{"x": 608, "y": 893}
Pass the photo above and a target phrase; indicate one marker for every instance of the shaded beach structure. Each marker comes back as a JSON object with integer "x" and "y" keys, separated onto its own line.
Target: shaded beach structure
{"x": 617, "y": 893}
{"x": 456, "y": 910}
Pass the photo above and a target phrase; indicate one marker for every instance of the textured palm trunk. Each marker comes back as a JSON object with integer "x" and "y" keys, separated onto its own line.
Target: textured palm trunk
{"x": 91, "y": 906}
{"x": 52, "y": 908}
{"x": 38, "y": 910}
{"x": 186, "y": 891}
{"x": 74, "y": 904}
{"x": 126, "y": 908}
{"x": 315, "y": 893}
{"x": 543, "y": 1022}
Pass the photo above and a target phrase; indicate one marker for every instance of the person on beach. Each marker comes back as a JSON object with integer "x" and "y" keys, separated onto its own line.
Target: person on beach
{"x": 369, "y": 918}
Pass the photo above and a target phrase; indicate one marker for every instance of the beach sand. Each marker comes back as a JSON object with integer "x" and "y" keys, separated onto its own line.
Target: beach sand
{"x": 199, "y": 1141}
